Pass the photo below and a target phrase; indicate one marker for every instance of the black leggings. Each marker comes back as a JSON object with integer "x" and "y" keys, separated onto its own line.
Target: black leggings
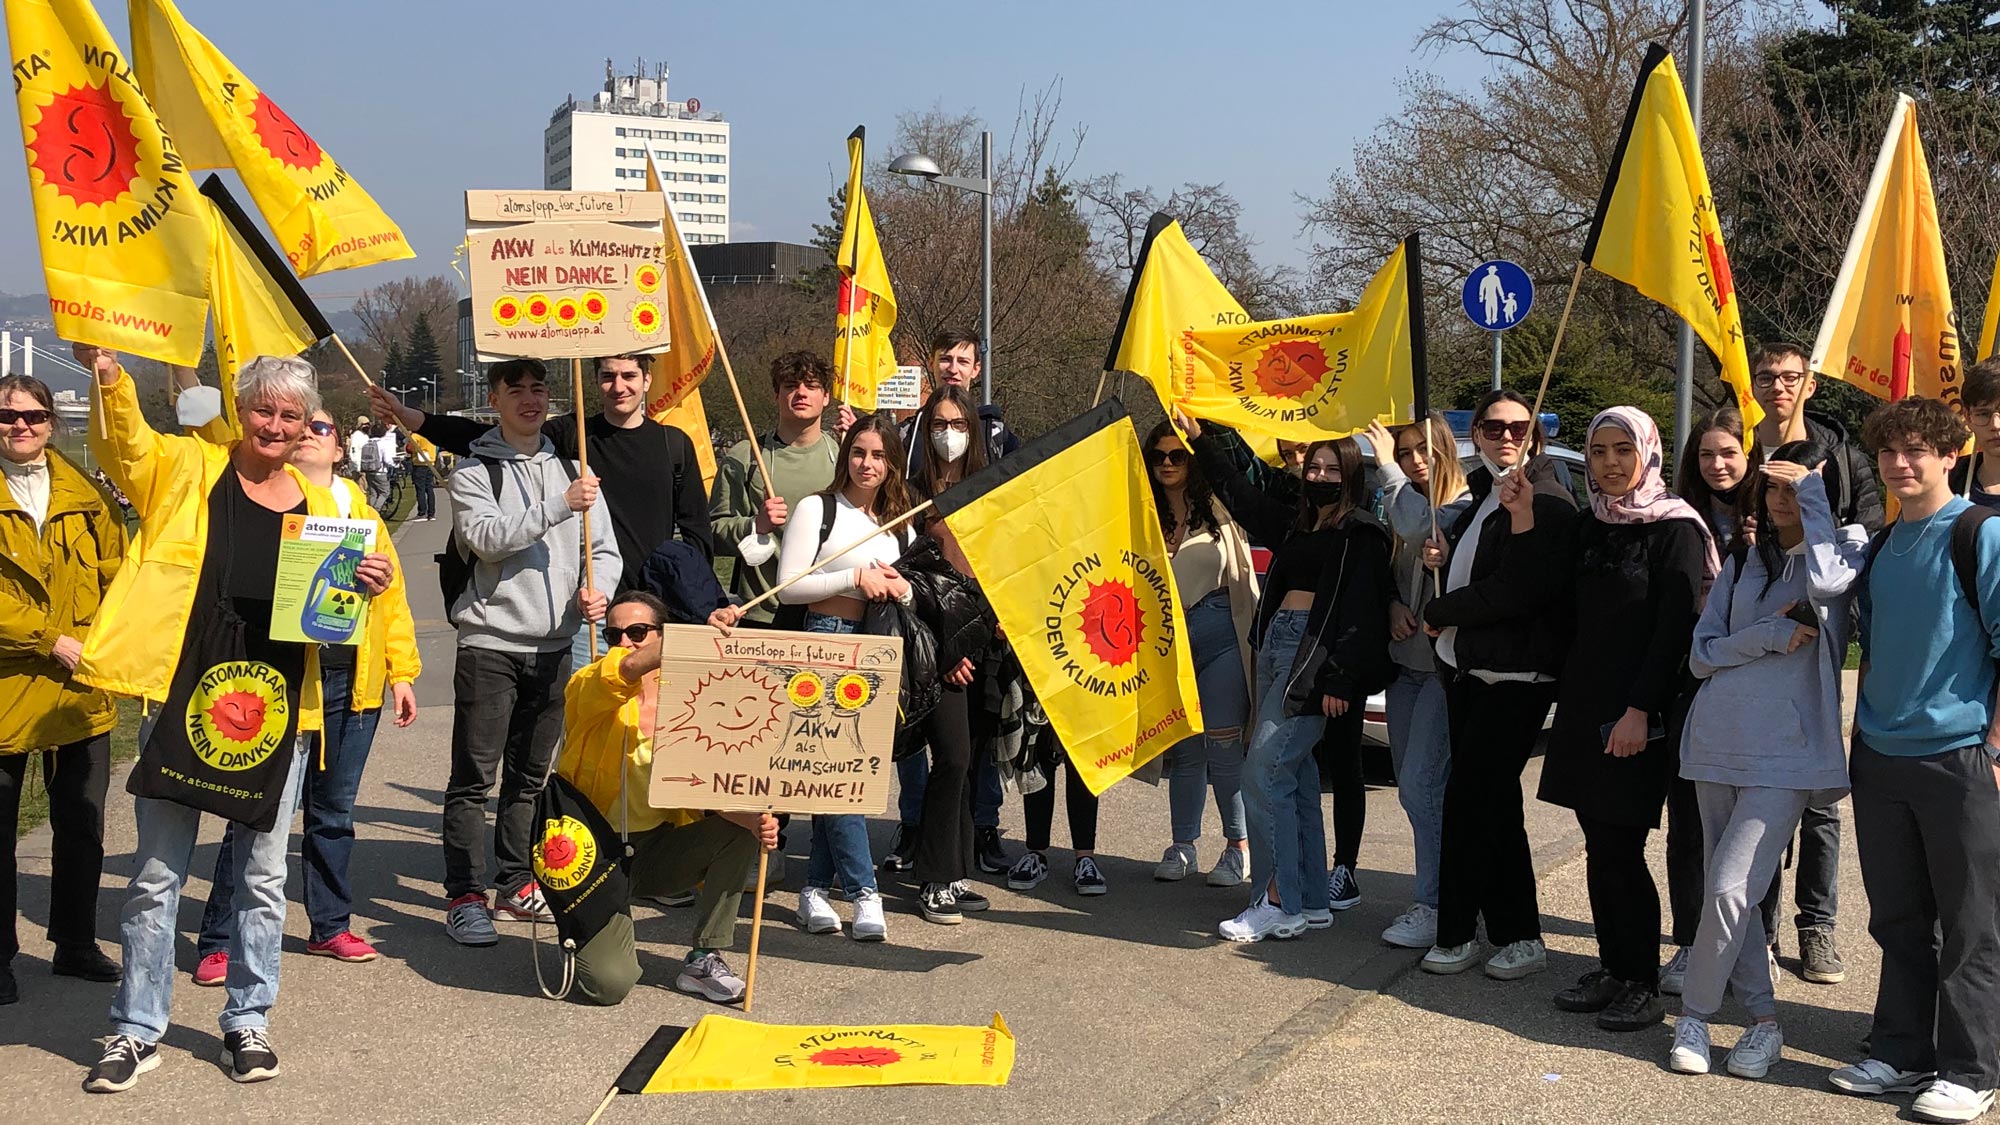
{"x": 1624, "y": 900}
{"x": 944, "y": 842}
{"x": 1039, "y": 807}
{"x": 1339, "y": 756}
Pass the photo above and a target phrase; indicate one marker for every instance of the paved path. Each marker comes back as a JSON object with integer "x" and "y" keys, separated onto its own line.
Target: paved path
{"x": 1126, "y": 1008}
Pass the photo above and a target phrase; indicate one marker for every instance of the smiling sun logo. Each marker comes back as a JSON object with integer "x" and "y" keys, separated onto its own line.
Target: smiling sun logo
{"x": 237, "y": 714}
{"x": 1290, "y": 368}
{"x": 730, "y": 710}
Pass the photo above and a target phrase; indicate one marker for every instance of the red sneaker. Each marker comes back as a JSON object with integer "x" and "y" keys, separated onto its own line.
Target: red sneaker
{"x": 212, "y": 970}
{"x": 343, "y": 946}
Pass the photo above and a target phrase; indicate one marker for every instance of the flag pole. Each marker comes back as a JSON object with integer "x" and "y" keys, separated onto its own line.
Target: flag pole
{"x": 892, "y": 525}
{"x": 358, "y": 369}
{"x": 1431, "y": 497}
{"x": 756, "y": 924}
{"x": 1576, "y": 279}
{"x": 603, "y": 1105}
{"x": 583, "y": 470}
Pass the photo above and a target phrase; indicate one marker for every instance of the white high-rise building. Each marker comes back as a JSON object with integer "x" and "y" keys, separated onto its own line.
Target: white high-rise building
{"x": 600, "y": 145}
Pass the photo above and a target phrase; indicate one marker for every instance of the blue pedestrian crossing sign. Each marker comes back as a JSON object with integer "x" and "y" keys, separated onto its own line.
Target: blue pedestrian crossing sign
{"x": 1497, "y": 295}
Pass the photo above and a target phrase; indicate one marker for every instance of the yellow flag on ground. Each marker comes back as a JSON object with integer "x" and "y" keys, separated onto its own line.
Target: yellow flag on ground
{"x": 322, "y": 217}
{"x": 1656, "y": 227}
{"x": 724, "y": 1053}
{"x": 1311, "y": 377}
{"x": 1066, "y": 543}
{"x": 1889, "y": 327}
{"x": 678, "y": 372}
{"x": 124, "y": 241}
{"x": 866, "y": 314}
{"x": 259, "y": 307}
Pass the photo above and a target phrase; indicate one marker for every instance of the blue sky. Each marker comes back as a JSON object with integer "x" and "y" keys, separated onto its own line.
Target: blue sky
{"x": 422, "y": 99}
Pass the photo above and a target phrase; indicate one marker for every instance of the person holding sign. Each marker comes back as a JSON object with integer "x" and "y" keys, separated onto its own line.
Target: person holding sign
{"x": 61, "y": 541}
{"x": 351, "y": 682}
{"x": 608, "y": 722}
{"x": 186, "y": 627}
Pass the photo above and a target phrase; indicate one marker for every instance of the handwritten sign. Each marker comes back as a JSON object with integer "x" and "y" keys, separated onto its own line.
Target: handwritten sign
{"x": 767, "y": 719}
{"x": 566, "y": 274}
{"x": 902, "y": 391}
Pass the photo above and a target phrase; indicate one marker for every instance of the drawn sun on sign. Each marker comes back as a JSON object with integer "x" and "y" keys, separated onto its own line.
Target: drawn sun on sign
{"x": 730, "y": 710}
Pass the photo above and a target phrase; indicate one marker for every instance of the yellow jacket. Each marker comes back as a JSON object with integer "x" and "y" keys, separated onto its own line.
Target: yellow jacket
{"x": 388, "y": 654}
{"x": 602, "y": 742}
{"x": 51, "y": 582}
{"x": 136, "y": 643}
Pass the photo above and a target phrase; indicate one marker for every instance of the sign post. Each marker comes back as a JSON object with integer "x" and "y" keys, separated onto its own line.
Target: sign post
{"x": 1496, "y": 296}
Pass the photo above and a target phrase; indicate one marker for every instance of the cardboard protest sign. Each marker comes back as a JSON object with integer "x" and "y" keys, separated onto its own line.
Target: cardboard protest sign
{"x": 769, "y": 719}
{"x": 317, "y": 599}
{"x": 566, "y": 274}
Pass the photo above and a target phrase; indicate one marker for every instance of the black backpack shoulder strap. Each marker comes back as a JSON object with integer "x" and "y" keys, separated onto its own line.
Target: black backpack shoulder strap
{"x": 1965, "y": 554}
{"x": 829, "y": 507}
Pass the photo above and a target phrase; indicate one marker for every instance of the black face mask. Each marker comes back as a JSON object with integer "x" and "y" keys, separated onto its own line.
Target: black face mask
{"x": 1727, "y": 496}
{"x": 1321, "y": 493}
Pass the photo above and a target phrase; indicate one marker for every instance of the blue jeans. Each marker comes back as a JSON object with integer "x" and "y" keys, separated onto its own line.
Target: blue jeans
{"x": 1204, "y": 761}
{"x": 1420, "y": 748}
{"x": 1281, "y": 780}
{"x": 839, "y": 843}
{"x": 913, "y": 775}
{"x": 149, "y": 922}
{"x": 327, "y": 845}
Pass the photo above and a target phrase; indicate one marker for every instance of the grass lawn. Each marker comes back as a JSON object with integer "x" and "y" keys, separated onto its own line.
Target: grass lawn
{"x": 35, "y": 794}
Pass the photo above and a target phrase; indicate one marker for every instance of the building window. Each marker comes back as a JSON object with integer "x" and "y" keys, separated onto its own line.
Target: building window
{"x": 717, "y": 158}
{"x": 617, "y": 132}
{"x": 714, "y": 179}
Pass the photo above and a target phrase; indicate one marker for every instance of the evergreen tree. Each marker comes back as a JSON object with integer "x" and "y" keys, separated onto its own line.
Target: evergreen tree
{"x": 420, "y": 351}
{"x": 395, "y": 369}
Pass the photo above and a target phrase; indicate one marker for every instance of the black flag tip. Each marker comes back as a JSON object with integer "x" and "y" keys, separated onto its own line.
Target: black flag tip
{"x": 860, "y": 133}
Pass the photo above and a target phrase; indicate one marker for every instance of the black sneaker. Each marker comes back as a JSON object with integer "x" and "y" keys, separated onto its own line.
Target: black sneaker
{"x": 1636, "y": 1008}
{"x": 1028, "y": 872}
{"x": 939, "y": 904}
{"x": 969, "y": 900}
{"x": 1341, "y": 889}
{"x": 1593, "y": 992}
{"x": 1819, "y": 961}
{"x": 987, "y": 852}
{"x": 248, "y": 1056}
{"x": 1089, "y": 881}
{"x": 86, "y": 962}
{"x": 902, "y": 853}
{"x": 10, "y": 992}
{"x": 124, "y": 1060}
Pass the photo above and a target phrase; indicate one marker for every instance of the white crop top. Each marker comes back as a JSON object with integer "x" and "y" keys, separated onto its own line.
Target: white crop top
{"x": 831, "y": 577}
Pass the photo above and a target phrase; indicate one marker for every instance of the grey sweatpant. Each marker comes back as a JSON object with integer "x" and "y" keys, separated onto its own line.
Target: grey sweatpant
{"x": 1745, "y": 831}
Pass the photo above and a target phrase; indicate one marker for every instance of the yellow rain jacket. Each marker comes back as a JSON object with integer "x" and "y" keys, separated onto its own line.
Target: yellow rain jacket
{"x": 388, "y": 653}
{"x": 602, "y": 742}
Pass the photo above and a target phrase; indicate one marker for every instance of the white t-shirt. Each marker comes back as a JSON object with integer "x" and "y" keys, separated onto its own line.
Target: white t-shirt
{"x": 831, "y": 577}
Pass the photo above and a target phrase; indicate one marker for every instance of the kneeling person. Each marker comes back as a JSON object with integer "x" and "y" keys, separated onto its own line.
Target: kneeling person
{"x": 608, "y": 755}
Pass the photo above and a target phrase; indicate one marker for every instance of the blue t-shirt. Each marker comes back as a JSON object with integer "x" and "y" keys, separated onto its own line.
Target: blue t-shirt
{"x": 1931, "y": 675}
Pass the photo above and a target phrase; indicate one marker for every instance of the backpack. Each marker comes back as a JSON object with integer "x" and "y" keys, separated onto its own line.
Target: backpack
{"x": 454, "y": 563}
{"x": 371, "y": 454}
{"x": 1964, "y": 554}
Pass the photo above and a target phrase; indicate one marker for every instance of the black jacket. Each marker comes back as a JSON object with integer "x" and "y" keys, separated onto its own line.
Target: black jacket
{"x": 948, "y": 620}
{"x": 1850, "y": 476}
{"x": 1511, "y": 615}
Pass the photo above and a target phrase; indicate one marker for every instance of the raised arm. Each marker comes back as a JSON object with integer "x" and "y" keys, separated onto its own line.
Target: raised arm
{"x": 1266, "y": 521}
{"x": 134, "y": 456}
{"x": 1834, "y": 555}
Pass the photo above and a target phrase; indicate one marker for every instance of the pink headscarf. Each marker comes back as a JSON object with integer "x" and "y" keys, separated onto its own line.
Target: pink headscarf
{"x": 1650, "y": 501}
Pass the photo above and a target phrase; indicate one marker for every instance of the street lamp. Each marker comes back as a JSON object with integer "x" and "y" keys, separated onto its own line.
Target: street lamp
{"x": 924, "y": 168}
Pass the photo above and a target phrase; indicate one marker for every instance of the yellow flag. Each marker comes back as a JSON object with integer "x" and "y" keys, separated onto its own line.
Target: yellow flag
{"x": 691, "y": 418}
{"x": 322, "y": 217}
{"x": 1065, "y": 540}
{"x": 259, "y": 307}
{"x": 1990, "y": 327}
{"x": 1656, "y": 227}
{"x": 1889, "y": 328}
{"x": 724, "y": 1053}
{"x": 124, "y": 241}
{"x": 866, "y": 314}
{"x": 678, "y": 372}
{"x": 1311, "y": 377}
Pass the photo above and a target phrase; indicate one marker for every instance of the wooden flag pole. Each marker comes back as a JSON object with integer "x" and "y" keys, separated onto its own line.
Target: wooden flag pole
{"x": 358, "y": 369}
{"x": 756, "y": 924}
{"x": 583, "y": 470}
{"x": 892, "y": 525}
{"x": 1099, "y": 396}
{"x": 1576, "y": 280}
{"x": 1431, "y": 496}
{"x": 603, "y": 1105}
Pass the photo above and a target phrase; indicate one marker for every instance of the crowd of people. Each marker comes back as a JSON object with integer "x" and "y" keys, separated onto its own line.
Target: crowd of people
{"x": 1678, "y": 653}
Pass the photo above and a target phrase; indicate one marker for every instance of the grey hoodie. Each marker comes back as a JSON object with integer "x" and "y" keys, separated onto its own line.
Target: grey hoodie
{"x": 526, "y": 549}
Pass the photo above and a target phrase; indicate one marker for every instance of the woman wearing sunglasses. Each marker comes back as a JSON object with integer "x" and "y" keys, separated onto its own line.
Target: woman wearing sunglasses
{"x": 1500, "y": 646}
{"x": 351, "y": 682}
{"x": 1218, "y": 584}
{"x": 1322, "y": 636}
{"x": 61, "y": 542}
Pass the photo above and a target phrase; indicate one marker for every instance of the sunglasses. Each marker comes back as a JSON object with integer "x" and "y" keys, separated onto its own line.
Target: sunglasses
{"x": 1495, "y": 430}
{"x": 31, "y": 417}
{"x": 322, "y": 429}
{"x": 614, "y": 636}
{"x": 1174, "y": 457}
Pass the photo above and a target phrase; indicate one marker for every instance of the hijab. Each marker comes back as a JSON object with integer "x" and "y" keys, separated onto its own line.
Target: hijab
{"x": 1649, "y": 501}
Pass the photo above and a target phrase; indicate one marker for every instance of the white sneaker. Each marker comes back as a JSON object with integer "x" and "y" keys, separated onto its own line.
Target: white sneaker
{"x": 1317, "y": 919}
{"x": 1756, "y": 1051}
{"x": 1873, "y": 1076}
{"x": 1176, "y": 864}
{"x": 1674, "y": 975}
{"x": 1232, "y": 869}
{"x": 869, "y": 925}
{"x": 816, "y": 914}
{"x": 1690, "y": 1050}
{"x": 1261, "y": 920}
{"x": 1415, "y": 928}
{"x": 1518, "y": 959}
{"x": 1450, "y": 959}
{"x": 1949, "y": 1101}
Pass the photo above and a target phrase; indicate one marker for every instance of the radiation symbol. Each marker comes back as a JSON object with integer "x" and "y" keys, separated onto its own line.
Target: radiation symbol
{"x": 851, "y": 692}
{"x": 805, "y": 689}
{"x": 567, "y": 312}
{"x": 507, "y": 312}
{"x": 646, "y": 318}
{"x": 341, "y": 603}
{"x": 565, "y": 854}
{"x": 594, "y": 305}
{"x": 536, "y": 309}
{"x": 646, "y": 277}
